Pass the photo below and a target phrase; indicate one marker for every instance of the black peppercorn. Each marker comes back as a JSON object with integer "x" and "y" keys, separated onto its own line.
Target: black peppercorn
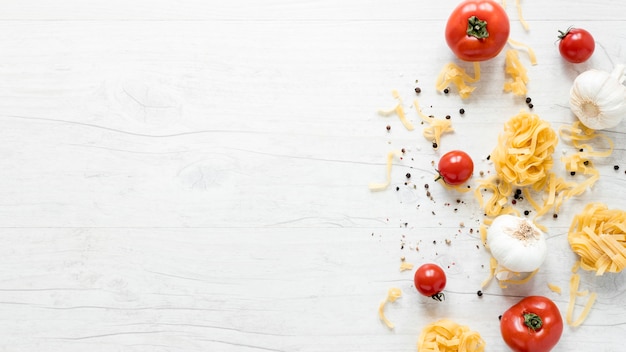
{"x": 616, "y": 167}
{"x": 555, "y": 216}
{"x": 573, "y": 173}
{"x": 418, "y": 90}
{"x": 408, "y": 175}
{"x": 479, "y": 293}
{"x": 462, "y": 111}
{"x": 528, "y": 100}
{"x": 526, "y": 212}
{"x": 530, "y": 106}
{"x": 447, "y": 117}
{"x": 388, "y": 128}
{"x": 434, "y": 144}
{"x": 446, "y": 91}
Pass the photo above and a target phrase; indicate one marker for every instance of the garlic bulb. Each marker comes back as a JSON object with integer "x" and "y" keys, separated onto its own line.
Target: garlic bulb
{"x": 598, "y": 98}
{"x": 516, "y": 243}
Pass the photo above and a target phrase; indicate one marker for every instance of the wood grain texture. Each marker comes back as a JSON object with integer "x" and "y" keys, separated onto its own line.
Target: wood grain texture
{"x": 193, "y": 177}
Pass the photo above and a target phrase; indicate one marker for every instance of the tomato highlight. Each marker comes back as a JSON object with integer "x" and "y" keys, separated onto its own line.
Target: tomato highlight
{"x": 534, "y": 324}
{"x": 477, "y": 30}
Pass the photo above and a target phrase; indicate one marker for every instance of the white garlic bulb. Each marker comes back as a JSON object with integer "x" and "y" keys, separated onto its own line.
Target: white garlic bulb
{"x": 598, "y": 98}
{"x": 516, "y": 243}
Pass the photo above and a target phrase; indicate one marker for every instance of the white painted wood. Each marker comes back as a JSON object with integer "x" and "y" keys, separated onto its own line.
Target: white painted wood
{"x": 193, "y": 177}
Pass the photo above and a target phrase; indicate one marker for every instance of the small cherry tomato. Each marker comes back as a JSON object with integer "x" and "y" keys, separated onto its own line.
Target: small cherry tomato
{"x": 477, "y": 30}
{"x": 430, "y": 280}
{"x": 455, "y": 167}
{"x": 534, "y": 324}
{"x": 576, "y": 45}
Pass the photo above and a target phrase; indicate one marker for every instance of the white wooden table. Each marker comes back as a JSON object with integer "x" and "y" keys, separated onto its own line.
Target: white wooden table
{"x": 193, "y": 176}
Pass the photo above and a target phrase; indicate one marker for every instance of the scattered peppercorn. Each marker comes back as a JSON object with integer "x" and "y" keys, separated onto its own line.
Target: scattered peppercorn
{"x": 616, "y": 167}
{"x": 462, "y": 111}
{"x": 586, "y": 162}
{"x": 397, "y": 188}
{"x": 573, "y": 173}
{"x": 388, "y": 128}
{"x": 500, "y": 318}
{"x": 555, "y": 216}
{"x": 479, "y": 293}
{"x": 426, "y": 186}
{"x": 518, "y": 191}
{"x": 403, "y": 150}
{"x": 530, "y": 106}
{"x": 526, "y": 212}
{"x": 513, "y": 202}
{"x": 580, "y": 150}
{"x": 446, "y": 91}
{"x": 408, "y": 175}
{"x": 528, "y": 100}
{"x": 434, "y": 144}
{"x": 418, "y": 90}
{"x": 447, "y": 117}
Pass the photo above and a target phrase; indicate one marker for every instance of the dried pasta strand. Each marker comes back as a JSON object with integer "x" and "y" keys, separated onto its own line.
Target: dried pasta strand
{"x": 382, "y": 186}
{"x": 392, "y": 295}
{"x": 554, "y": 288}
{"x": 529, "y": 50}
{"x": 573, "y": 293}
{"x": 520, "y": 16}
{"x": 406, "y": 266}
{"x": 398, "y": 110}
{"x": 436, "y": 127}
{"x": 519, "y": 77}
{"x": 453, "y": 73}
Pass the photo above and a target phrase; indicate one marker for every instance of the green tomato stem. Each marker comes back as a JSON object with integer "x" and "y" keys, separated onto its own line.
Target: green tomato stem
{"x": 533, "y": 321}
{"x": 477, "y": 28}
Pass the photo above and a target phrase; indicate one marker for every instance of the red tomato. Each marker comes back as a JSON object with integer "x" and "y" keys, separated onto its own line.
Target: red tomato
{"x": 430, "y": 280}
{"x": 477, "y": 30}
{"x": 534, "y": 324}
{"x": 576, "y": 45}
{"x": 455, "y": 167}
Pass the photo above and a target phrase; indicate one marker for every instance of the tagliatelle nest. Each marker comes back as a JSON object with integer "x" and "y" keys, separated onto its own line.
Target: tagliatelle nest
{"x": 447, "y": 336}
{"x": 598, "y": 236}
{"x": 524, "y": 153}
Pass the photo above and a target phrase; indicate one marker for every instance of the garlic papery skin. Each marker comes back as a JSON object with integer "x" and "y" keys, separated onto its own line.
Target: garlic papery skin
{"x": 598, "y": 98}
{"x": 516, "y": 243}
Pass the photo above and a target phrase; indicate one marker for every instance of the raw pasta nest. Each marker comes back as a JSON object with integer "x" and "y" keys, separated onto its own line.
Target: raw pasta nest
{"x": 447, "y": 336}
{"x": 598, "y": 236}
{"x": 524, "y": 153}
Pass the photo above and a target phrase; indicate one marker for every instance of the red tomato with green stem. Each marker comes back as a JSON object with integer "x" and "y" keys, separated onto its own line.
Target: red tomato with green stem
{"x": 534, "y": 324}
{"x": 576, "y": 45}
{"x": 477, "y": 30}
{"x": 430, "y": 280}
{"x": 455, "y": 167}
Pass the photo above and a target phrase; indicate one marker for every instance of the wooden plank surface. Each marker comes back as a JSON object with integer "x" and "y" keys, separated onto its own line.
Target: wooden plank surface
{"x": 194, "y": 177}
